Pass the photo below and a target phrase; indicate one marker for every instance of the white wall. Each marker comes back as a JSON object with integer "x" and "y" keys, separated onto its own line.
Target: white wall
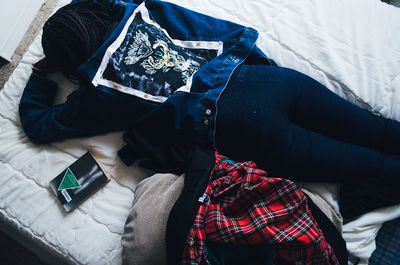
{"x": 15, "y": 18}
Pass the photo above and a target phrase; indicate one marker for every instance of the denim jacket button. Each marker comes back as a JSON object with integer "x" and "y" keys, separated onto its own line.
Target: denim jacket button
{"x": 206, "y": 122}
{"x": 208, "y": 112}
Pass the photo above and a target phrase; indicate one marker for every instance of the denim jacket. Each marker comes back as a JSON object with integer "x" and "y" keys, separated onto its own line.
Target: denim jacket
{"x": 187, "y": 115}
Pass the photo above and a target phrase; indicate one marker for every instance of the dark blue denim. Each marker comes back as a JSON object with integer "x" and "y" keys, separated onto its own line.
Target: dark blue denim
{"x": 296, "y": 128}
{"x": 94, "y": 109}
{"x": 285, "y": 121}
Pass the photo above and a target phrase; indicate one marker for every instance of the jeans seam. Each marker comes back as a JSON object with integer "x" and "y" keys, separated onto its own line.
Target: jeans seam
{"x": 299, "y": 94}
{"x": 384, "y": 147}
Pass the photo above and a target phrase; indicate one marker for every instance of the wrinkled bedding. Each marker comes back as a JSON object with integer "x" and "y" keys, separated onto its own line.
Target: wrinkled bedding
{"x": 350, "y": 46}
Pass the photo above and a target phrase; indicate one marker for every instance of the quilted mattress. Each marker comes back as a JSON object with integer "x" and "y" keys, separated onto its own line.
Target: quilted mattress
{"x": 350, "y": 46}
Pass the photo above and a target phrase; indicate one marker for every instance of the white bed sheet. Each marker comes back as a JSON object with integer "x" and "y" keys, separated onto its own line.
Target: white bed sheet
{"x": 350, "y": 46}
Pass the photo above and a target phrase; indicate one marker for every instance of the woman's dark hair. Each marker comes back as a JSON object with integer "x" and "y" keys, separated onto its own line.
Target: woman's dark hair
{"x": 75, "y": 31}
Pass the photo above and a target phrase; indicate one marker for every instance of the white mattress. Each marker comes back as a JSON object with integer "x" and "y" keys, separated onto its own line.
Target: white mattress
{"x": 350, "y": 46}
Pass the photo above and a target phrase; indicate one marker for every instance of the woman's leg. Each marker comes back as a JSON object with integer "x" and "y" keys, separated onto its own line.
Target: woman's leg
{"x": 320, "y": 110}
{"x": 312, "y": 106}
{"x": 253, "y": 123}
{"x": 287, "y": 150}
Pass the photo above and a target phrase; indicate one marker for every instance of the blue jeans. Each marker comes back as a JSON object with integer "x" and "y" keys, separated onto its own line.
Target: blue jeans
{"x": 294, "y": 127}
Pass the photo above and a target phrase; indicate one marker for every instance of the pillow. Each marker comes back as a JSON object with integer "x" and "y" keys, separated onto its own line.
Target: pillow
{"x": 143, "y": 241}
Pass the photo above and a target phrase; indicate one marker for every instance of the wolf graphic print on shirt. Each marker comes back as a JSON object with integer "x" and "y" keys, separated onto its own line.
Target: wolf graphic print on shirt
{"x": 149, "y": 62}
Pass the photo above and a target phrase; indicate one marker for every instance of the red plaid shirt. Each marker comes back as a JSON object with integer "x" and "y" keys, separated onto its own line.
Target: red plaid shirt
{"x": 242, "y": 205}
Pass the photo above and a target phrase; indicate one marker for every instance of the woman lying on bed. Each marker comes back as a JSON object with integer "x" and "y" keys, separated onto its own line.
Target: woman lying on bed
{"x": 203, "y": 81}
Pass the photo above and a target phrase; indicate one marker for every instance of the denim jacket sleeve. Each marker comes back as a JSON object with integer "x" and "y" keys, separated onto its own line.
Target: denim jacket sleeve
{"x": 44, "y": 123}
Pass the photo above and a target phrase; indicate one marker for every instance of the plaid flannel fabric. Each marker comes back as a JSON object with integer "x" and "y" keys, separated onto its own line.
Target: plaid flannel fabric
{"x": 242, "y": 205}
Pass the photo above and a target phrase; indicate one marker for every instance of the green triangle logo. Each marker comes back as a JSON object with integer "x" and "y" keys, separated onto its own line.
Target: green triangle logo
{"x": 69, "y": 181}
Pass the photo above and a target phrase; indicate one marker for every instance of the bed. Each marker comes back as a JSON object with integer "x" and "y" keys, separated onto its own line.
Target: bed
{"x": 350, "y": 46}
